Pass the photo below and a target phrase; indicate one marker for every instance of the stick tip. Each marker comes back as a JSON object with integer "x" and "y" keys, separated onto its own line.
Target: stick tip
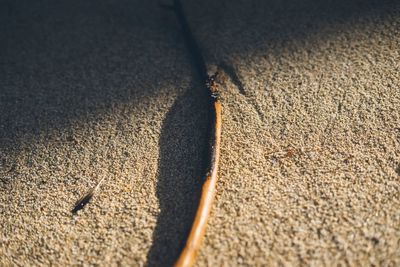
{"x": 81, "y": 203}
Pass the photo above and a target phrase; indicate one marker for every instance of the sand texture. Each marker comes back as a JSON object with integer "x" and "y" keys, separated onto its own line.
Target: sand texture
{"x": 310, "y": 157}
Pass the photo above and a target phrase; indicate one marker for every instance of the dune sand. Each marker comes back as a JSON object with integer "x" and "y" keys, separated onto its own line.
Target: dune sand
{"x": 310, "y": 160}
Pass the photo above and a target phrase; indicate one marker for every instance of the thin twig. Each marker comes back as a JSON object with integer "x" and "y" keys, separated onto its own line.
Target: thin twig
{"x": 193, "y": 242}
{"x": 87, "y": 197}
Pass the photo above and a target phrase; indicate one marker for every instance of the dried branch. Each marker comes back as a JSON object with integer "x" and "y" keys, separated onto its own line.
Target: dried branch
{"x": 86, "y": 198}
{"x": 193, "y": 242}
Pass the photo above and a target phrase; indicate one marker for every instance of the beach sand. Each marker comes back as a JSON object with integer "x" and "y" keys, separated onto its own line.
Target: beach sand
{"x": 310, "y": 158}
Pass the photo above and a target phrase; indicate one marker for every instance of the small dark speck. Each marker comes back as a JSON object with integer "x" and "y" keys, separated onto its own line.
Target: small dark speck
{"x": 398, "y": 170}
{"x": 375, "y": 240}
{"x": 13, "y": 168}
{"x": 29, "y": 162}
{"x": 319, "y": 233}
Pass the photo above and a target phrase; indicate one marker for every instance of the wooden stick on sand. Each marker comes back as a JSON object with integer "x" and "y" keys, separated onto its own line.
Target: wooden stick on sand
{"x": 192, "y": 246}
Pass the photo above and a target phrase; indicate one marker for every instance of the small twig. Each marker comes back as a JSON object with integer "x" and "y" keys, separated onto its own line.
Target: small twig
{"x": 193, "y": 242}
{"x": 87, "y": 197}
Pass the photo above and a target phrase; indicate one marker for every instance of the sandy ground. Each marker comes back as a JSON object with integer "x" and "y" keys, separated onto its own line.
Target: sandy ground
{"x": 310, "y": 167}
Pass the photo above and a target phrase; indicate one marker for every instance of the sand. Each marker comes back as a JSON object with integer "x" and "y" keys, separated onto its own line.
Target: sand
{"x": 310, "y": 160}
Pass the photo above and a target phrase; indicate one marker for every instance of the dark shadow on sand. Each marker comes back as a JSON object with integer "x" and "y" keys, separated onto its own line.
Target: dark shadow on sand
{"x": 181, "y": 167}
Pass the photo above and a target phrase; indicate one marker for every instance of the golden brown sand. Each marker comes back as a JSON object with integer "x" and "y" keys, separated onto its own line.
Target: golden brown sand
{"x": 310, "y": 160}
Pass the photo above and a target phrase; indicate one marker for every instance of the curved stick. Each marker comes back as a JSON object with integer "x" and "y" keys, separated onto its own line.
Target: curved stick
{"x": 193, "y": 242}
{"x": 189, "y": 252}
{"x": 87, "y": 197}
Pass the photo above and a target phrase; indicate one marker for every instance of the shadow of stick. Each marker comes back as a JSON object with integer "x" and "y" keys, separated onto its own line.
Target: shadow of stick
{"x": 181, "y": 166}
